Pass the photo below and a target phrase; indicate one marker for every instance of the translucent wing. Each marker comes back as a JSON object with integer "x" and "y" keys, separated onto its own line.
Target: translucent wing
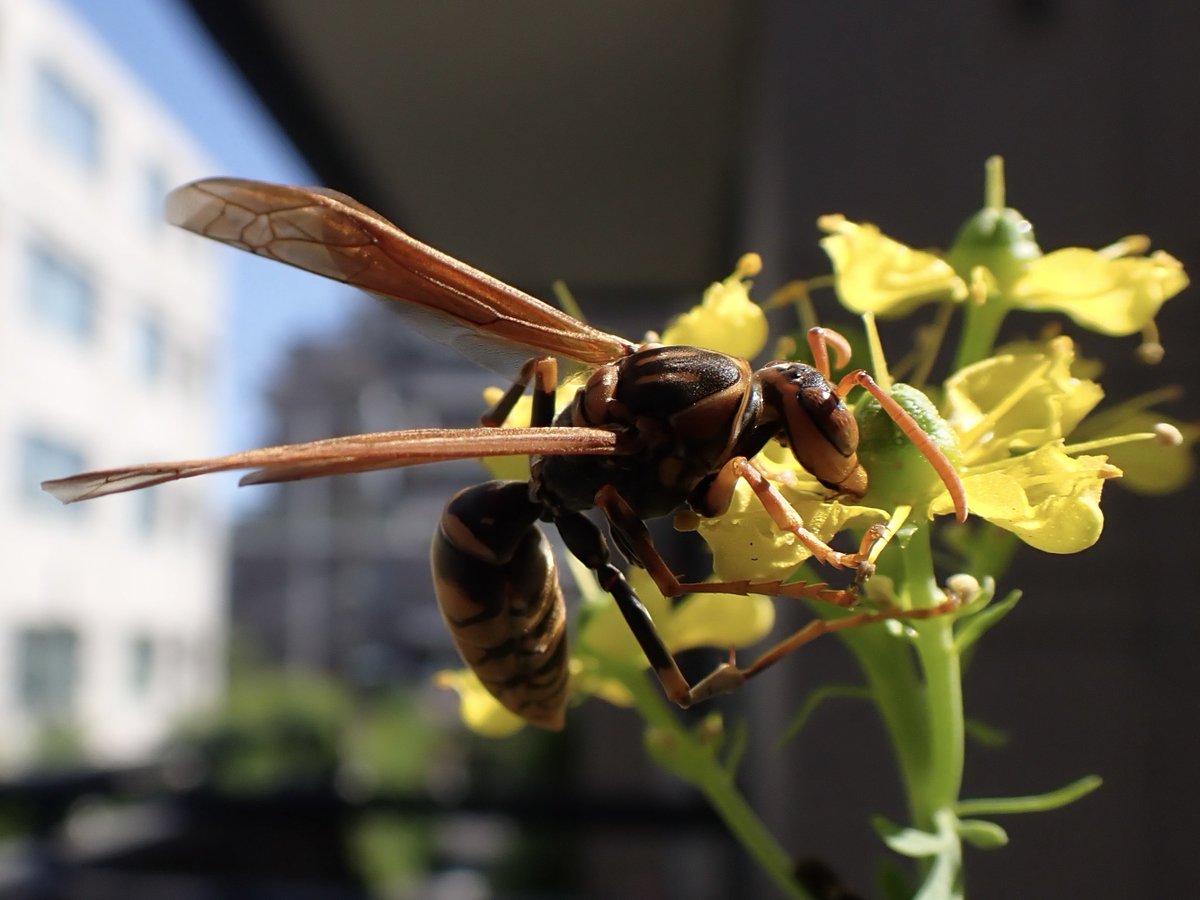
{"x": 328, "y": 233}
{"x": 342, "y": 455}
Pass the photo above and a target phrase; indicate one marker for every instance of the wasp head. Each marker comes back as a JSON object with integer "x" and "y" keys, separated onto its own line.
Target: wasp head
{"x": 814, "y": 424}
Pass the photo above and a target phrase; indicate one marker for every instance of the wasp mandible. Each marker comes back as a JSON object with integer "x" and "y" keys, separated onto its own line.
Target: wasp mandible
{"x": 655, "y": 428}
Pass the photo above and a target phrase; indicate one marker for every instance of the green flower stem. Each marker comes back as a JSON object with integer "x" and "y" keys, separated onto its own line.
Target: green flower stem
{"x": 687, "y": 755}
{"x": 921, "y": 705}
{"x": 981, "y": 324}
{"x": 993, "y": 183}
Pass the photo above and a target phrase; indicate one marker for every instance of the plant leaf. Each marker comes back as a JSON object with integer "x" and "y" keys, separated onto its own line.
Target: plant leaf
{"x": 815, "y": 698}
{"x": 972, "y": 628}
{"x": 994, "y": 806}
{"x": 982, "y": 834}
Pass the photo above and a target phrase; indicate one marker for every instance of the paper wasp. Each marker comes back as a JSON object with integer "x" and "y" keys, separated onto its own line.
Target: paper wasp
{"x": 653, "y": 429}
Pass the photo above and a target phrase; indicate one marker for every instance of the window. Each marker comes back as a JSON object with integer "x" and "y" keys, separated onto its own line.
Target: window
{"x": 66, "y": 116}
{"x": 150, "y": 349}
{"x": 61, "y": 292}
{"x": 47, "y": 669}
{"x": 141, "y": 664}
{"x": 42, "y": 458}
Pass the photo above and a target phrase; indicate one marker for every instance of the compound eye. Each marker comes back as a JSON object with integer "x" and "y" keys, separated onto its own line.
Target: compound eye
{"x": 831, "y": 417}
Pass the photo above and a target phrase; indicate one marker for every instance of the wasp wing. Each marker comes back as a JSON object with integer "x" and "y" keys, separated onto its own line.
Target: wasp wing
{"x": 341, "y": 455}
{"x": 328, "y": 233}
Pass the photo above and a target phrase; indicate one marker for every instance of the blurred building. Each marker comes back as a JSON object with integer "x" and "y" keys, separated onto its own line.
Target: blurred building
{"x": 333, "y": 574}
{"x": 110, "y": 613}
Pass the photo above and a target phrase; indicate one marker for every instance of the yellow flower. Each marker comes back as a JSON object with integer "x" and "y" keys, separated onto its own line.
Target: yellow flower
{"x": 1012, "y": 412}
{"x": 996, "y": 261}
{"x": 726, "y": 319}
{"x": 1009, "y": 416}
{"x": 1113, "y": 296}
{"x": 479, "y": 710}
{"x": 1154, "y": 467}
{"x": 879, "y": 275}
{"x": 746, "y": 543}
{"x": 1047, "y": 498}
{"x": 697, "y": 620}
{"x": 1017, "y": 400}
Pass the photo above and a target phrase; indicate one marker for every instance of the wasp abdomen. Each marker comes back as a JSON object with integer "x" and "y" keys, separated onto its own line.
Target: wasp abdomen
{"x": 497, "y": 586}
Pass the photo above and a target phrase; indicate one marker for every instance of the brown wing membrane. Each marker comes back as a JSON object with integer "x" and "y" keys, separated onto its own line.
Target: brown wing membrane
{"x": 336, "y": 456}
{"x": 328, "y": 233}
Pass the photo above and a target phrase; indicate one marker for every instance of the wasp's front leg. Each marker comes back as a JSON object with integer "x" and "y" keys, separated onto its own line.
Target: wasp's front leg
{"x": 634, "y": 538}
{"x": 718, "y": 494}
{"x": 543, "y": 372}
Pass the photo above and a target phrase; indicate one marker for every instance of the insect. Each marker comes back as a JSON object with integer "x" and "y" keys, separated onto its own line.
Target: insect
{"x": 653, "y": 429}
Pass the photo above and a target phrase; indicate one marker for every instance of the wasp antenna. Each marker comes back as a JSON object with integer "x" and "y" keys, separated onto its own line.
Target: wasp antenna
{"x": 908, "y": 425}
{"x": 819, "y": 342}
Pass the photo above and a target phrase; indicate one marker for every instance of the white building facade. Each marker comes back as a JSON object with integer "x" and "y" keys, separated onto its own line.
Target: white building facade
{"x": 111, "y": 613}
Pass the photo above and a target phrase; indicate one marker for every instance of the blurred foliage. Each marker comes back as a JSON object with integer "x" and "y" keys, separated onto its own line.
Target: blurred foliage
{"x": 280, "y": 730}
{"x": 287, "y": 730}
{"x": 58, "y": 744}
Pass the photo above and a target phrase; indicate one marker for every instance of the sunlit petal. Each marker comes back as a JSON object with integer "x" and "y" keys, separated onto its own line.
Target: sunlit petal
{"x": 480, "y": 711}
{"x": 726, "y": 319}
{"x": 877, "y": 274}
{"x": 1111, "y": 296}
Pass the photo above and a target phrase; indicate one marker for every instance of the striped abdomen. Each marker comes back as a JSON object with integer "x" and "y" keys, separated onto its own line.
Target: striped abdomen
{"x": 498, "y": 590}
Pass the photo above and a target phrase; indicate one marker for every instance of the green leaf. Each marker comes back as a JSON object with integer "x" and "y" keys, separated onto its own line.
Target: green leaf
{"x": 972, "y": 628}
{"x": 910, "y": 841}
{"x": 985, "y": 735}
{"x": 815, "y": 698}
{"x": 736, "y": 747}
{"x": 994, "y": 806}
{"x": 982, "y": 834}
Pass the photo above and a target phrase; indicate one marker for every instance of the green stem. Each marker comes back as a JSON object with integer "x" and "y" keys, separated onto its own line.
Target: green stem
{"x": 683, "y": 753}
{"x": 981, "y": 324}
{"x": 920, "y": 705}
{"x": 993, "y": 183}
{"x": 939, "y": 661}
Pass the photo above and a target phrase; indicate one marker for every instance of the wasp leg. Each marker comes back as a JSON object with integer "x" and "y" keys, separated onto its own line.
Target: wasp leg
{"x": 635, "y": 539}
{"x": 728, "y": 677}
{"x": 585, "y": 541}
{"x": 719, "y": 493}
{"x": 543, "y": 371}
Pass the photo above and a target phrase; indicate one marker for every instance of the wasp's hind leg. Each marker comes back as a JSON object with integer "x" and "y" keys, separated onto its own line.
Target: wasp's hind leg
{"x": 728, "y": 676}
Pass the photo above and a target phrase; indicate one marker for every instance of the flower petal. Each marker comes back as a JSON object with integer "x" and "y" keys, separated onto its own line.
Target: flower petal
{"x": 1048, "y": 499}
{"x": 1112, "y": 296}
{"x": 877, "y": 274}
{"x": 1019, "y": 399}
{"x": 747, "y": 545}
{"x": 602, "y": 630}
{"x": 720, "y": 620}
{"x": 1149, "y": 467}
{"x": 480, "y": 711}
{"x": 726, "y": 319}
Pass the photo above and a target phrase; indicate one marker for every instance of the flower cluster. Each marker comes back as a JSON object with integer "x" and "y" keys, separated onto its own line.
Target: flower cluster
{"x": 1005, "y": 420}
{"x": 1023, "y": 426}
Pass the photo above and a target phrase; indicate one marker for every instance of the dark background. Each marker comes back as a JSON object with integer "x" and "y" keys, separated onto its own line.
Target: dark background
{"x": 637, "y": 149}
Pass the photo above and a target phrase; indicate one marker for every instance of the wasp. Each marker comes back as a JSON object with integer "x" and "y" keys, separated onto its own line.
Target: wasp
{"x": 654, "y": 429}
